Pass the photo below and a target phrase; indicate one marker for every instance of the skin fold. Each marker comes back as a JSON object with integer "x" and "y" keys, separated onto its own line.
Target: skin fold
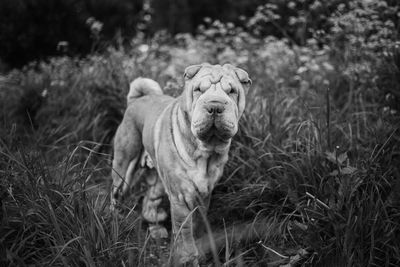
{"x": 186, "y": 139}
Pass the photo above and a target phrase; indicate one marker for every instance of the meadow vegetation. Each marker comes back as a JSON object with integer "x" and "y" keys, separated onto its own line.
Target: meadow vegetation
{"x": 315, "y": 163}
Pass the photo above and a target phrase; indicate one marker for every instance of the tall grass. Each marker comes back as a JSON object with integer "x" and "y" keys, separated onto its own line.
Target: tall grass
{"x": 57, "y": 215}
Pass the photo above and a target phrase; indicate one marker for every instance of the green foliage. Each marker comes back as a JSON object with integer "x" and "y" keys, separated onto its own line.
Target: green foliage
{"x": 32, "y": 29}
{"x": 183, "y": 16}
{"x": 295, "y": 20}
{"x": 316, "y": 158}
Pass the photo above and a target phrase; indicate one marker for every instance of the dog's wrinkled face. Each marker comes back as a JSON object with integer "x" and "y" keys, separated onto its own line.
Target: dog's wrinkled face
{"x": 214, "y": 98}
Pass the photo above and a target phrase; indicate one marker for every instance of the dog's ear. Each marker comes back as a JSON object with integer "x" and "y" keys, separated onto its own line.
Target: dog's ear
{"x": 191, "y": 71}
{"x": 243, "y": 78}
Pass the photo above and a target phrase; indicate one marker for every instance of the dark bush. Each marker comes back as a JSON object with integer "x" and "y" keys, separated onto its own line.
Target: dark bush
{"x": 186, "y": 15}
{"x": 31, "y": 29}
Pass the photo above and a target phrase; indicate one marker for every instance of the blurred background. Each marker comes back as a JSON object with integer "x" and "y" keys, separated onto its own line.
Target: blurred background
{"x": 316, "y": 159}
{"x": 36, "y": 29}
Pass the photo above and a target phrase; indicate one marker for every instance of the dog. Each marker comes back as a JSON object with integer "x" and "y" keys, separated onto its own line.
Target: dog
{"x": 186, "y": 139}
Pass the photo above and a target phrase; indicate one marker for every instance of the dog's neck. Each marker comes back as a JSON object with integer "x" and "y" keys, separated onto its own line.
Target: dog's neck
{"x": 204, "y": 162}
{"x": 188, "y": 146}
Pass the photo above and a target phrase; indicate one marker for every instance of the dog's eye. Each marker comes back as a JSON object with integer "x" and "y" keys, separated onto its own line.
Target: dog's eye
{"x": 232, "y": 91}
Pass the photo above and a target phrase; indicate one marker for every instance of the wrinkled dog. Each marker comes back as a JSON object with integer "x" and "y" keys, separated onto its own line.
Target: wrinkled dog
{"x": 186, "y": 139}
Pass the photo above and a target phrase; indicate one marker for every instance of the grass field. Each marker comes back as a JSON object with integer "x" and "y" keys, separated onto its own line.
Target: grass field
{"x": 313, "y": 175}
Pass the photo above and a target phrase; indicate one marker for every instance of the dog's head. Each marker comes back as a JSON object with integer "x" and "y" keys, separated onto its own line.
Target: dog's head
{"x": 214, "y": 99}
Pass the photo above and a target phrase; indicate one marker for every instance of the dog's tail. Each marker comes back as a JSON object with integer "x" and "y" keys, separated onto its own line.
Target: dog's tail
{"x": 143, "y": 86}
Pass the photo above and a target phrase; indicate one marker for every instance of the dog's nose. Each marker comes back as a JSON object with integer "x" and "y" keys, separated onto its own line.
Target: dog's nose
{"x": 215, "y": 108}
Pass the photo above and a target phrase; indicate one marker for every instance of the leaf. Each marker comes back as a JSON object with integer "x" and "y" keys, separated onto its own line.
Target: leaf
{"x": 334, "y": 173}
{"x": 336, "y": 159}
{"x": 331, "y": 156}
{"x": 342, "y": 158}
{"x": 348, "y": 170}
{"x": 344, "y": 171}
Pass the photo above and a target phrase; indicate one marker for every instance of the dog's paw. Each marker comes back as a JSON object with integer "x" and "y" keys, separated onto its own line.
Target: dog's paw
{"x": 115, "y": 209}
{"x": 113, "y": 205}
{"x": 157, "y": 231}
{"x": 186, "y": 261}
{"x": 154, "y": 215}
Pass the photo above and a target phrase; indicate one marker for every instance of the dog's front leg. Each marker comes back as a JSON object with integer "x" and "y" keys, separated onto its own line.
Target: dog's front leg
{"x": 182, "y": 214}
{"x": 200, "y": 218}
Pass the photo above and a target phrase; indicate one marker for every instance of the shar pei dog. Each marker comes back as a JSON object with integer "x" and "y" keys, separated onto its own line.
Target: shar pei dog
{"x": 186, "y": 140}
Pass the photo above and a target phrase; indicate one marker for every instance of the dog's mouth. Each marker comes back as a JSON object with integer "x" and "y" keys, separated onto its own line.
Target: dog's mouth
{"x": 211, "y": 130}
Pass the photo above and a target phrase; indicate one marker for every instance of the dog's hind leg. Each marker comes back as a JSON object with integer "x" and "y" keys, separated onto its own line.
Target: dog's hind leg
{"x": 122, "y": 182}
{"x": 151, "y": 211}
{"x": 127, "y": 152}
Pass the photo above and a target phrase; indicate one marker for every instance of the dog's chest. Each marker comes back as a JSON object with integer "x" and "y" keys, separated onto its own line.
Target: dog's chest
{"x": 207, "y": 172}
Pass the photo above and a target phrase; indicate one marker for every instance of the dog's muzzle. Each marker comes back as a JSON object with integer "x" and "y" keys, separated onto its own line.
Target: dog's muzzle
{"x": 216, "y": 123}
